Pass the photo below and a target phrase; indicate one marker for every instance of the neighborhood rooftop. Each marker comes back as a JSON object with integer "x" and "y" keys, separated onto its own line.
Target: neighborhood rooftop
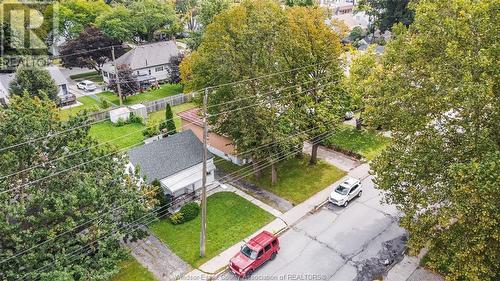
{"x": 168, "y": 156}
{"x": 149, "y": 55}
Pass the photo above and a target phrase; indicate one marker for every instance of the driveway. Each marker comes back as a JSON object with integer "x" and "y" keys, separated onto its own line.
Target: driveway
{"x": 360, "y": 242}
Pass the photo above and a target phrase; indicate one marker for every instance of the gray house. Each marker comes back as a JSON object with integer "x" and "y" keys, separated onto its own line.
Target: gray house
{"x": 54, "y": 72}
{"x": 151, "y": 62}
{"x": 176, "y": 161}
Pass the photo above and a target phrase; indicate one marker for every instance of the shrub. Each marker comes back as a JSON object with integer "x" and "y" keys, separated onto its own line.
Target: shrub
{"x": 105, "y": 103}
{"x": 135, "y": 119}
{"x": 177, "y": 218}
{"x": 151, "y": 130}
{"x": 190, "y": 211}
{"x": 120, "y": 122}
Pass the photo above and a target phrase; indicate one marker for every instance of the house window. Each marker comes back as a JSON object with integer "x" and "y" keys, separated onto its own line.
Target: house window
{"x": 105, "y": 74}
{"x": 159, "y": 68}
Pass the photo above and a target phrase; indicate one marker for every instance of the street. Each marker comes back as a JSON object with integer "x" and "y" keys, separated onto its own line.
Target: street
{"x": 359, "y": 242}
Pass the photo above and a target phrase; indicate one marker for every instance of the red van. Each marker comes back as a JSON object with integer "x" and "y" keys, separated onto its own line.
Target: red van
{"x": 254, "y": 253}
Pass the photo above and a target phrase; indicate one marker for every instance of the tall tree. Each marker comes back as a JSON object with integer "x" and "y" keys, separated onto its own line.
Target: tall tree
{"x": 241, "y": 43}
{"x": 35, "y": 81}
{"x": 388, "y": 12}
{"x": 65, "y": 226}
{"x": 76, "y": 15}
{"x": 151, "y": 16}
{"x": 437, "y": 91}
{"x": 360, "y": 80}
{"x": 308, "y": 41}
{"x": 117, "y": 24}
{"x": 128, "y": 82}
{"x": 169, "y": 124}
{"x": 299, "y": 3}
{"x": 90, "y": 49}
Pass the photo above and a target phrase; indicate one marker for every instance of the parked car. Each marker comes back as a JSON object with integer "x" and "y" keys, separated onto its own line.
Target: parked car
{"x": 349, "y": 115}
{"x": 86, "y": 85}
{"x": 346, "y": 191}
{"x": 261, "y": 248}
{"x": 66, "y": 100}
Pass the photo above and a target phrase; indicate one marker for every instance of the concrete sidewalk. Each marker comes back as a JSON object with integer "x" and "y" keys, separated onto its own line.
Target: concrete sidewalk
{"x": 281, "y": 223}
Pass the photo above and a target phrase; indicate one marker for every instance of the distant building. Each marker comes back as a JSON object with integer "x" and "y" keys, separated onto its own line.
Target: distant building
{"x": 338, "y": 7}
{"x": 176, "y": 161}
{"x": 151, "y": 62}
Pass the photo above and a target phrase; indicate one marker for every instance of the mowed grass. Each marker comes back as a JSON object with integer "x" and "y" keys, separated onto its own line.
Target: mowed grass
{"x": 230, "y": 219}
{"x": 130, "y": 135}
{"x": 366, "y": 142}
{"x": 297, "y": 180}
{"x": 132, "y": 270}
{"x": 93, "y": 76}
{"x": 164, "y": 91}
{"x": 88, "y": 103}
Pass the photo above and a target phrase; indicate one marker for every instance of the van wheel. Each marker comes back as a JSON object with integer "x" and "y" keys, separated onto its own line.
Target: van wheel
{"x": 360, "y": 192}
{"x": 346, "y": 203}
{"x": 249, "y": 274}
{"x": 273, "y": 256}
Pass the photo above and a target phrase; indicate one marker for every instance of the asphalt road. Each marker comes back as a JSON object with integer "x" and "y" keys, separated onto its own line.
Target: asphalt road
{"x": 359, "y": 242}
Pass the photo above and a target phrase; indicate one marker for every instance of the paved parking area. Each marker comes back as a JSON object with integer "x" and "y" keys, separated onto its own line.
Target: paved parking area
{"x": 360, "y": 242}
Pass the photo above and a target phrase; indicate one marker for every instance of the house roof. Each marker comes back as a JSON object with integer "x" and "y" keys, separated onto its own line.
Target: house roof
{"x": 168, "y": 156}
{"x": 192, "y": 115}
{"x": 54, "y": 72}
{"x": 149, "y": 55}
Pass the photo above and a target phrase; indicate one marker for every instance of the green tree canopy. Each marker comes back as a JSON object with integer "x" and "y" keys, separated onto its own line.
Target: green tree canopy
{"x": 437, "y": 91}
{"x": 76, "y": 15}
{"x": 388, "y": 12}
{"x": 257, "y": 38}
{"x": 35, "y": 81}
{"x": 58, "y": 207}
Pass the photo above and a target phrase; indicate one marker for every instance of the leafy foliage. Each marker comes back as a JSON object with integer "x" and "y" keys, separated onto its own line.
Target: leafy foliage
{"x": 35, "y": 81}
{"x": 437, "y": 91}
{"x": 169, "y": 125}
{"x": 388, "y": 12}
{"x": 190, "y": 211}
{"x": 77, "y": 15}
{"x": 52, "y": 209}
{"x": 90, "y": 49}
{"x": 127, "y": 79}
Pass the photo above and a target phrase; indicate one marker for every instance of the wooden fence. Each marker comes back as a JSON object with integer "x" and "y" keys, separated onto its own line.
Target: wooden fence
{"x": 151, "y": 106}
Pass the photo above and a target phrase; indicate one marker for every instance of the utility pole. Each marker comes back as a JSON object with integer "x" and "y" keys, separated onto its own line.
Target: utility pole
{"x": 117, "y": 76}
{"x": 204, "y": 178}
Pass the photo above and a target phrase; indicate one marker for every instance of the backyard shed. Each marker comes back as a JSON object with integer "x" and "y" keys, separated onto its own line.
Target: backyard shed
{"x": 139, "y": 110}
{"x": 122, "y": 113}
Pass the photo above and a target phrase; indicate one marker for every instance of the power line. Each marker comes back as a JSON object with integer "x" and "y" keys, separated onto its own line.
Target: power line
{"x": 73, "y": 254}
{"x": 133, "y": 132}
{"x": 129, "y": 202}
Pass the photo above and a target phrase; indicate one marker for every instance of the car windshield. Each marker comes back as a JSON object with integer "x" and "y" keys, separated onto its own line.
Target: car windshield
{"x": 342, "y": 190}
{"x": 249, "y": 252}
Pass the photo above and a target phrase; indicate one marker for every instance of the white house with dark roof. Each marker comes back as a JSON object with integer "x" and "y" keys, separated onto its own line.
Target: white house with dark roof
{"x": 55, "y": 74}
{"x": 176, "y": 161}
{"x": 151, "y": 62}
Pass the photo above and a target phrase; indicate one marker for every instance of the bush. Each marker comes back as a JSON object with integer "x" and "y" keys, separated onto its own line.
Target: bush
{"x": 177, "y": 218}
{"x": 151, "y": 130}
{"x": 120, "y": 122}
{"x": 190, "y": 211}
{"x": 135, "y": 119}
{"x": 105, "y": 103}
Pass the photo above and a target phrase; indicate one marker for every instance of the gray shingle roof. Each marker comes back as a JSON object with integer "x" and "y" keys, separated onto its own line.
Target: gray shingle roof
{"x": 168, "y": 156}
{"x": 149, "y": 55}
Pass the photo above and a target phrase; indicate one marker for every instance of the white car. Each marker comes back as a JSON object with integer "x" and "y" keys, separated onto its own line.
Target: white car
{"x": 86, "y": 85}
{"x": 346, "y": 191}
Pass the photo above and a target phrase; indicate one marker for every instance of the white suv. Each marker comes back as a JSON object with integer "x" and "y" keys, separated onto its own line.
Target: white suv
{"x": 346, "y": 191}
{"x": 86, "y": 85}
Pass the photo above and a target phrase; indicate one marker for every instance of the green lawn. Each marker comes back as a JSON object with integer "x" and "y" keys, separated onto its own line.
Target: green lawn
{"x": 106, "y": 131}
{"x": 297, "y": 180}
{"x": 368, "y": 143}
{"x": 87, "y": 103}
{"x": 132, "y": 270}
{"x": 165, "y": 90}
{"x": 93, "y": 76}
{"x": 230, "y": 218}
